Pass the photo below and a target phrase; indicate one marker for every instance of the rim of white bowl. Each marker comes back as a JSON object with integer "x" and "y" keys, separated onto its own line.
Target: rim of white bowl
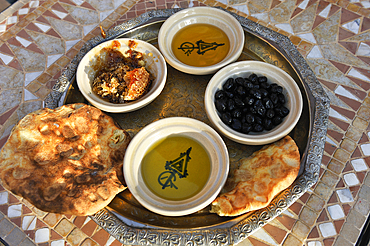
{"x": 246, "y": 67}
{"x": 163, "y": 128}
{"x": 188, "y": 13}
{"x": 100, "y": 103}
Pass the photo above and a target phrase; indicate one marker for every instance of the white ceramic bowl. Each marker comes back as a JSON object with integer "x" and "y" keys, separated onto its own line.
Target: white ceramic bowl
{"x": 159, "y": 130}
{"x": 274, "y": 75}
{"x": 201, "y": 15}
{"x": 155, "y": 63}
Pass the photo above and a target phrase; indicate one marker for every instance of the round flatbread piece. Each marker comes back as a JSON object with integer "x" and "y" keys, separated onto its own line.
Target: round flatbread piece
{"x": 66, "y": 160}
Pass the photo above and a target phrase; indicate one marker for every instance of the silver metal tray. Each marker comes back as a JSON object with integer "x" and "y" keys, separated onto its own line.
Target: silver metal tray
{"x": 132, "y": 224}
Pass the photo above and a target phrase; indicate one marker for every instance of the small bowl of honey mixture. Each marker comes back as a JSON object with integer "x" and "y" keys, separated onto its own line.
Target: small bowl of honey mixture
{"x": 176, "y": 166}
{"x": 201, "y": 40}
{"x": 122, "y": 75}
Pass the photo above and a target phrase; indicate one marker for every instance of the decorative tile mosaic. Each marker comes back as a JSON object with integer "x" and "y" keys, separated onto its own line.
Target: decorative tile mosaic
{"x": 39, "y": 38}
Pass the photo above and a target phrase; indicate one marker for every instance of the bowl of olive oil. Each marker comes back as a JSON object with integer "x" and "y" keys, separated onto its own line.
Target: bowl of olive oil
{"x": 176, "y": 166}
{"x": 201, "y": 40}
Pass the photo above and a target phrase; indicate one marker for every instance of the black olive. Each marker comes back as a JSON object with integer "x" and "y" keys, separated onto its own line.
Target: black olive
{"x": 221, "y": 105}
{"x": 258, "y": 120}
{"x": 253, "y": 77}
{"x": 276, "y": 120}
{"x": 249, "y": 100}
{"x": 281, "y": 98}
{"x": 264, "y": 92}
{"x": 256, "y": 86}
{"x": 256, "y": 93}
{"x": 219, "y": 94}
{"x": 252, "y": 110}
{"x": 230, "y": 105}
{"x": 229, "y": 84}
{"x": 262, "y": 79}
{"x": 226, "y": 118}
{"x": 246, "y": 128}
{"x": 249, "y": 118}
{"x": 237, "y": 113}
{"x": 258, "y": 128}
{"x": 267, "y": 103}
{"x": 273, "y": 88}
{"x": 270, "y": 113}
{"x": 279, "y": 89}
{"x": 261, "y": 111}
{"x": 239, "y": 80}
{"x": 257, "y": 103}
{"x": 248, "y": 84}
{"x": 265, "y": 85}
{"x": 236, "y": 124}
{"x": 284, "y": 111}
{"x": 274, "y": 98}
{"x": 267, "y": 124}
{"x": 239, "y": 102}
{"x": 229, "y": 94}
{"x": 241, "y": 91}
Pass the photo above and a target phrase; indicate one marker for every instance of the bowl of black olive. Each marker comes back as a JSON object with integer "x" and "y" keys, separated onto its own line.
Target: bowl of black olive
{"x": 253, "y": 102}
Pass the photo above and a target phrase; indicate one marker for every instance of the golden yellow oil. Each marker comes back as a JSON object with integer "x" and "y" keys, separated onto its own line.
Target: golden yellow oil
{"x": 213, "y": 47}
{"x": 174, "y": 151}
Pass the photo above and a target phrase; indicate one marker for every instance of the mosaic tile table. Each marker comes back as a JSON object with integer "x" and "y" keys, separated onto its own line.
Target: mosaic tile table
{"x": 39, "y": 38}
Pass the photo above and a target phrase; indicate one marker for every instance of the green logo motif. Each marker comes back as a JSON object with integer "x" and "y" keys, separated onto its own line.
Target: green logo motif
{"x": 177, "y": 166}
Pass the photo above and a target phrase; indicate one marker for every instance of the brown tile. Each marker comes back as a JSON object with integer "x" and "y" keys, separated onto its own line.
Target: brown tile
{"x": 40, "y": 224}
{"x": 358, "y": 93}
{"x": 329, "y": 148}
{"x": 355, "y": 105}
{"x": 354, "y": 190}
{"x": 357, "y": 153}
{"x": 341, "y": 124}
{"x": 318, "y": 21}
{"x": 328, "y": 84}
{"x": 333, "y": 198}
{"x": 89, "y": 228}
{"x": 256, "y": 242}
{"x": 3, "y": 141}
{"x": 53, "y": 33}
{"x": 347, "y": 16}
{"x": 17, "y": 221}
{"x": 4, "y": 117}
{"x": 101, "y": 237}
{"x": 364, "y": 139}
{"x": 6, "y": 50}
{"x": 296, "y": 207}
{"x": 363, "y": 84}
{"x": 33, "y": 47}
{"x": 314, "y": 233}
{"x": 55, "y": 236}
{"x": 348, "y": 168}
{"x": 90, "y": 242}
{"x": 361, "y": 176}
{"x": 328, "y": 241}
{"x": 340, "y": 184}
{"x": 346, "y": 208}
{"x": 336, "y": 135}
{"x": 342, "y": 67}
{"x": 325, "y": 160}
{"x": 365, "y": 24}
{"x": 344, "y": 34}
{"x": 15, "y": 64}
{"x": 323, "y": 216}
{"x": 345, "y": 112}
{"x": 26, "y": 210}
{"x": 286, "y": 221}
{"x": 276, "y": 233}
{"x": 338, "y": 225}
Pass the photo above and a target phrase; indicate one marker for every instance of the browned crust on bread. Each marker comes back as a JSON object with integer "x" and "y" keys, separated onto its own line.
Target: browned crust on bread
{"x": 259, "y": 179}
{"x": 68, "y": 160}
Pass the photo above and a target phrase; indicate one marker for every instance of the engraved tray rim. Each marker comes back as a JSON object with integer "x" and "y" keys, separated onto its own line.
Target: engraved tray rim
{"x": 128, "y": 233}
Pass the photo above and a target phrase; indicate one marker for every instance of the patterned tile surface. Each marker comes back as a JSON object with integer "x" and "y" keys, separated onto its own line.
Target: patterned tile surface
{"x": 39, "y": 38}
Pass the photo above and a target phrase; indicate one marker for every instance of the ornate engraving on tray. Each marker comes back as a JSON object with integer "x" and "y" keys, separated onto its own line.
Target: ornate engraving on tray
{"x": 243, "y": 226}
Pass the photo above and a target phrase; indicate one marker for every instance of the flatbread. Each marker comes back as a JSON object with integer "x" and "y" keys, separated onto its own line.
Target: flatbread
{"x": 259, "y": 179}
{"x": 67, "y": 161}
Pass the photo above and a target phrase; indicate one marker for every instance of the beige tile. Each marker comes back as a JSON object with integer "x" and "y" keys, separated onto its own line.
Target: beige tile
{"x": 308, "y": 216}
{"x": 300, "y": 230}
{"x": 360, "y": 123}
{"x": 64, "y": 227}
